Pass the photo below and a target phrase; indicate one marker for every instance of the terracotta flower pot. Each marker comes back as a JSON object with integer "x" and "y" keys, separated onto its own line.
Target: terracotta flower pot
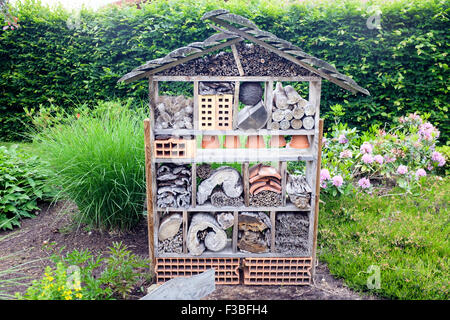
{"x": 277, "y": 142}
{"x": 232, "y": 142}
{"x": 210, "y": 142}
{"x": 299, "y": 142}
{"x": 254, "y": 142}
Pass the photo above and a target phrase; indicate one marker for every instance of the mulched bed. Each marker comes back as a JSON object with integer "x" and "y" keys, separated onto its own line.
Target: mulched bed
{"x": 55, "y": 227}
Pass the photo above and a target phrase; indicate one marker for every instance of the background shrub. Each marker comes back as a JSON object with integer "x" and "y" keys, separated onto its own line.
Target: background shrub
{"x": 22, "y": 184}
{"x": 60, "y": 57}
{"x": 98, "y": 161}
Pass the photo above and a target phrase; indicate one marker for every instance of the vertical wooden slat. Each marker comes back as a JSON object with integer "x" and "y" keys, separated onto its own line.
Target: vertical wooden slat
{"x": 149, "y": 191}
{"x": 195, "y": 111}
{"x": 185, "y": 230}
{"x": 316, "y": 198}
{"x": 269, "y": 101}
{"x": 283, "y": 173}
{"x": 272, "y": 240}
{"x": 235, "y": 232}
{"x": 246, "y": 183}
{"x": 236, "y": 104}
{"x": 194, "y": 185}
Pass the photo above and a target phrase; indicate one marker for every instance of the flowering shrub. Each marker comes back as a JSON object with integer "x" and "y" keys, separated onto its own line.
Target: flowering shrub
{"x": 404, "y": 154}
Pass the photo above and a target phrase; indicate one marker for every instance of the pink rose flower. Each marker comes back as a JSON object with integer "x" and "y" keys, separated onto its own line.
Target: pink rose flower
{"x": 402, "y": 169}
{"x": 379, "y": 159}
{"x": 338, "y": 181}
{"x": 367, "y": 158}
{"x": 364, "y": 183}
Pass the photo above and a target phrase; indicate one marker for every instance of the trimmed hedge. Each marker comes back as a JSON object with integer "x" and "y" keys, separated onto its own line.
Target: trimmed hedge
{"x": 56, "y": 58}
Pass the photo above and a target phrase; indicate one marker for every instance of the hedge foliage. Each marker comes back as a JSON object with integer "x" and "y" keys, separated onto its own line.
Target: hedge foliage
{"x": 66, "y": 58}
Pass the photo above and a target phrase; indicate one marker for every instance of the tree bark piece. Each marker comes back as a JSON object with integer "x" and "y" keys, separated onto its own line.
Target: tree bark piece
{"x": 225, "y": 219}
{"x": 299, "y": 191}
{"x": 291, "y": 233}
{"x": 169, "y": 226}
{"x": 228, "y": 177}
{"x": 205, "y": 233}
{"x": 255, "y": 232}
{"x": 292, "y": 96}
{"x": 279, "y": 97}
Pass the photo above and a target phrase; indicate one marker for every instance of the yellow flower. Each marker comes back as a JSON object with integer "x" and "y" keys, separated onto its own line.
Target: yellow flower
{"x": 78, "y": 295}
{"x": 68, "y": 297}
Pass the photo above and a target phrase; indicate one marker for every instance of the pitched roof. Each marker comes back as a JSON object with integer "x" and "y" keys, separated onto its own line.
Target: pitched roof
{"x": 231, "y": 35}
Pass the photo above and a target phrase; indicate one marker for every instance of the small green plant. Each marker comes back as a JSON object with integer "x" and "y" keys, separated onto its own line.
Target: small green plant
{"x": 98, "y": 159}
{"x": 79, "y": 275}
{"x": 22, "y": 184}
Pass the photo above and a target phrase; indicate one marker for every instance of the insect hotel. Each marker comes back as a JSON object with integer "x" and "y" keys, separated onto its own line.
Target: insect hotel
{"x": 219, "y": 194}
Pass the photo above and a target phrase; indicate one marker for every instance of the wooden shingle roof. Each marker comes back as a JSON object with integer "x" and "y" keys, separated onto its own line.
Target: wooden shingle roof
{"x": 235, "y": 28}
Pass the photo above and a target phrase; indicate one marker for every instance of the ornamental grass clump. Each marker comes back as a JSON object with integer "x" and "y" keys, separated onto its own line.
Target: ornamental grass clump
{"x": 98, "y": 161}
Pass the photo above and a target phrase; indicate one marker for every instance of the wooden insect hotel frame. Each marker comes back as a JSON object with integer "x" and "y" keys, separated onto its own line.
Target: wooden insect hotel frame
{"x": 240, "y": 97}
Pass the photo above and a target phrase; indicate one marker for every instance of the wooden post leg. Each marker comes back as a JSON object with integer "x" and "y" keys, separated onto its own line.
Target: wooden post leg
{"x": 316, "y": 198}
{"x": 148, "y": 179}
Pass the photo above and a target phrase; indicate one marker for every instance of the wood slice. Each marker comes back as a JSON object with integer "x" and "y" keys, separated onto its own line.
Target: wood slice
{"x": 275, "y": 126}
{"x": 296, "y": 124}
{"x": 292, "y": 95}
{"x": 285, "y": 125}
{"x": 278, "y": 115}
{"x": 298, "y": 112}
{"x": 310, "y": 110}
{"x": 288, "y": 115}
{"x": 308, "y": 123}
{"x": 214, "y": 240}
{"x": 169, "y": 226}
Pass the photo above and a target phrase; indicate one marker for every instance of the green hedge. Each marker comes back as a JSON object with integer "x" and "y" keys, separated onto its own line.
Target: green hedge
{"x": 403, "y": 64}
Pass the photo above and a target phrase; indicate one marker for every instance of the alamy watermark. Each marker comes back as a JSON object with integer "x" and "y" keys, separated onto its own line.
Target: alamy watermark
{"x": 374, "y": 279}
{"x": 374, "y": 21}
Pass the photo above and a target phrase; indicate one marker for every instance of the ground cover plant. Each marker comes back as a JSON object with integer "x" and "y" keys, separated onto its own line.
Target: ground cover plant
{"x": 404, "y": 237}
{"x": 97, "y": 156}
{"x": 81, "y": 275}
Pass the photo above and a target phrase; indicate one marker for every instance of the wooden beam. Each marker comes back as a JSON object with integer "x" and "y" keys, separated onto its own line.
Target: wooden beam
{"x": 148, "y": 179}
{"x": 237, "y": 60}
{"x": 316, "y": 198}
{"x": 234, "y": 78}
{"x": 281, "y": 53}
{"x": 246, "y": 183}
{"x": 272, "y": 232}
{"x": 235, "y": 232}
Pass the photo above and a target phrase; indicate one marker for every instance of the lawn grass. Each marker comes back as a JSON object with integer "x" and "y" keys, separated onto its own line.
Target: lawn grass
{"x": 406, "y": 237}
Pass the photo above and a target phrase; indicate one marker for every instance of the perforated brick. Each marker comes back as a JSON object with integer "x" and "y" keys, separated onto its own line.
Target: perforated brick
{"x": 174, "y": 148}
{"x": 224, "y": 112}
{"x": 226, "y": 269}
{"x": 277, "y": 271}
{"x": 207, "y": 112}
{"x": 215, "y": 112}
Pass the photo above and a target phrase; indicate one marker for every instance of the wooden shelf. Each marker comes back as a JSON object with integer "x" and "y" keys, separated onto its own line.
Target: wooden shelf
{"x": 210, "y": 208}
{"x": 261, "y": 132}
{"x": 234, "y": 78}
{"x": 227, "y": 252}
{"x": 244, "y": 155}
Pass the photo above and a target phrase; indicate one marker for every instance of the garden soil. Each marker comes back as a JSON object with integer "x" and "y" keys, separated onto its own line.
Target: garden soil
{"x": 54, "y": 229}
